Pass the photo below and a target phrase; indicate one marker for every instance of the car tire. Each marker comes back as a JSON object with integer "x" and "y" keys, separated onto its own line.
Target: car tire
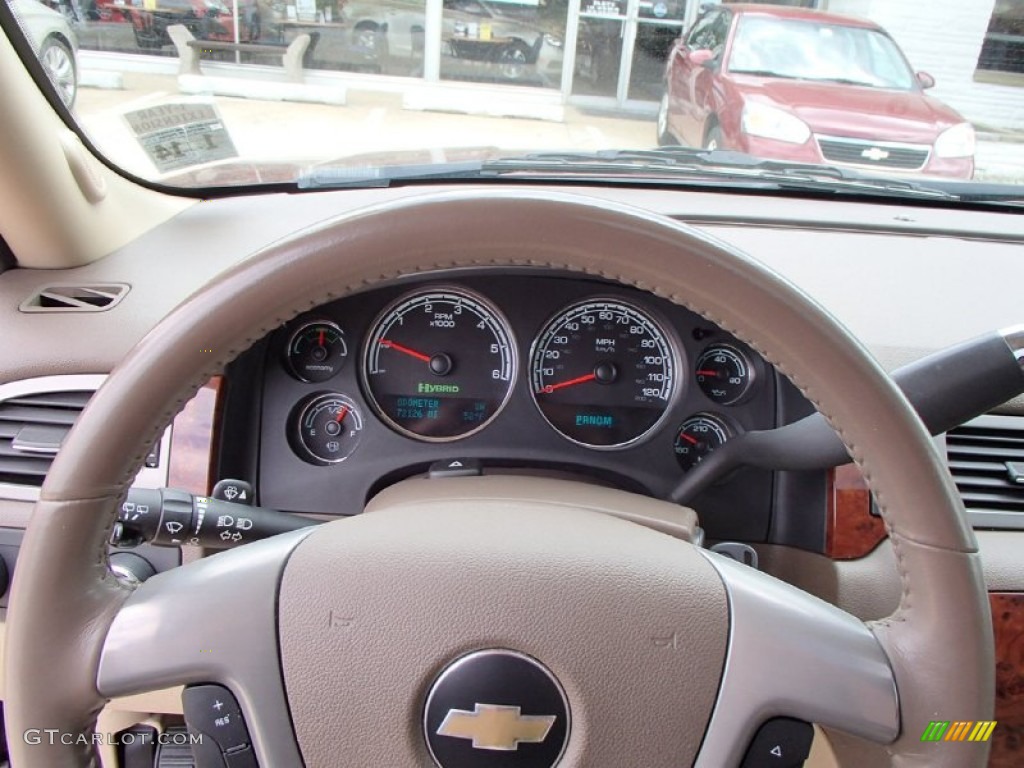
{"x": 514, "y": 60}
{"x": 58, "y": 60}
{"x": 714, "y": 138}
{"x": 665, "y": 137}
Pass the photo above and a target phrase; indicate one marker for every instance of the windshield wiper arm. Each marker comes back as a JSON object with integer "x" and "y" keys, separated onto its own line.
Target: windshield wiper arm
{"x": 654, "y": 166}
{"x": 726, "y": 165}
{"x": 363, "y": 176}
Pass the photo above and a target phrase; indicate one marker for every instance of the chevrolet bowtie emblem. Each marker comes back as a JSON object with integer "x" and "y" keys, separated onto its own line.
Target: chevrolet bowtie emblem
{"x": 875, "y": 153}
{"x": 497, "y": 727}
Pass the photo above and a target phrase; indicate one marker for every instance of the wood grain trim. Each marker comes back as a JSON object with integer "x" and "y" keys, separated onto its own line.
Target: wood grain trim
{"x": 1008, "y": 624}
{"x": 194, "y": 440}
{"x": 851, "y": 531}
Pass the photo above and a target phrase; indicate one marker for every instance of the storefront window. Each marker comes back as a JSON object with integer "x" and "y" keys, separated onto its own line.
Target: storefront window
{"x": 520, "y": 43}
{"x": 361, "y": 36}
{"x": 1003, "y": 49}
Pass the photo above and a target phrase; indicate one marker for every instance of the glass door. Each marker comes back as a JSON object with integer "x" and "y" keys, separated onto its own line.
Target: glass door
{"x": 659, "y": 23}
{"x": 599, "y": 47}
{"x": 622, "y": 46}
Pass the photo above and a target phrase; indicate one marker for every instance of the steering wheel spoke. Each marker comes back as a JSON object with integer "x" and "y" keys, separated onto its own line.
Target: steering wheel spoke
{"x": 211, "y": 621}
{"x": 793, "y": 655}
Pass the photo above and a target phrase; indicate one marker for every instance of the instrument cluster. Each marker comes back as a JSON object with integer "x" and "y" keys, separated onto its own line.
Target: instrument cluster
{"x": 513, "y": 370}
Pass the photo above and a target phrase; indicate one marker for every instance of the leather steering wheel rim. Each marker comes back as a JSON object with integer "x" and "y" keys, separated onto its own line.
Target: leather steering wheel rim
{"x": 64, "y": 599}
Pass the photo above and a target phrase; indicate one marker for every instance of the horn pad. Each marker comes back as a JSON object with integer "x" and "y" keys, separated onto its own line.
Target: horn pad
{"x": 626, "y": 626}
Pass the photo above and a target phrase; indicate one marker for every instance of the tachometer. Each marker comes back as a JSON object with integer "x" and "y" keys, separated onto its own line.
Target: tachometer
{"x": 603, "y": 373}
{"x": 439, "y": 364}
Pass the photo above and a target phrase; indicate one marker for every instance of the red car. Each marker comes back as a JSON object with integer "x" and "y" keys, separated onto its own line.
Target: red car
{"x": 800, "y": 85}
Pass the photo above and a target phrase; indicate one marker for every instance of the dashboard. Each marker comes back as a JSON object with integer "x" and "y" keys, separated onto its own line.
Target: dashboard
{"x": 489, "y": 393}
{"x": 504, "y": 372}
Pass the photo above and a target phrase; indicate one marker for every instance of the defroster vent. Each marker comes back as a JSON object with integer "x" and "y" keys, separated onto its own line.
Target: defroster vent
{"x": 32, "y": 427}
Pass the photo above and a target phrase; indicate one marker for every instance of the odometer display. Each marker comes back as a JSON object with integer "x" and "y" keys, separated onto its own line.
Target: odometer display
{"x": 439, "y": 364}
{"x": 603, "y": 373}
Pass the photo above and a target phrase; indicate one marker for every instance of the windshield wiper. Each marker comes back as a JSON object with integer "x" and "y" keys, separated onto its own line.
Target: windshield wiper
{"x": 694, "y": 166}
{"x": 846, "y": 81}
{"x": 364, "y": 176}
{"x": 765, "y": 73}
{"x": 718, "y": 165}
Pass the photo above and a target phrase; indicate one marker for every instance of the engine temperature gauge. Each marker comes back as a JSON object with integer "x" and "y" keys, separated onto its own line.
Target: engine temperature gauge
{"x": 326, "y": 429}
{"x": 698, "y": 436}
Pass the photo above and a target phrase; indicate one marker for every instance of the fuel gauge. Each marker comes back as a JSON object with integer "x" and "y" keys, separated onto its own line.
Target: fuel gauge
{"x": 316, "y": 351}
{"x": 698, "y": 436}
{"x": 326, "y": 429}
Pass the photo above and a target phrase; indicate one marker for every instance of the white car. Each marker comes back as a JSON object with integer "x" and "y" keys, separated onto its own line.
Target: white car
{"x": 55, "y": 44}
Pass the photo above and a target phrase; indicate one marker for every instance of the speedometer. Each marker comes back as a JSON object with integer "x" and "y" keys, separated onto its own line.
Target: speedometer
{"x": 439, "y": 364}
{"x": 603, "y": 372}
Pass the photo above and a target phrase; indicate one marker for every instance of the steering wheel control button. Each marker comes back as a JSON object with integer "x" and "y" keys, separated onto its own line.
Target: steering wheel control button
{"x": 734, "y": 550}
{"x": 780, "y": 743}
{"x": 243, "y": 758}
{"x": 235, "y": 491}
{"x": 455, "y": 468}
{"x": 212, "y": 712}
{"x": 496, "y": 709}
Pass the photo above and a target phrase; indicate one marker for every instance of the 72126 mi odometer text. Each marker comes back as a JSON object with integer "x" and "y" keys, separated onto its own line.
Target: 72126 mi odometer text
{"x": 439, "y": 364}
{"x": 603, "y": 372}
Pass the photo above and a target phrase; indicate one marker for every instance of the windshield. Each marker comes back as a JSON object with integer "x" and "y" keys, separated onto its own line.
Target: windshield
{"x": 808, "y": 50}
{"x": 849, "y": 95}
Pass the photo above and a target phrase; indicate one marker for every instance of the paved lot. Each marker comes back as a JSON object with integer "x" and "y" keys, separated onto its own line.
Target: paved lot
{"x": 376, "y": 122}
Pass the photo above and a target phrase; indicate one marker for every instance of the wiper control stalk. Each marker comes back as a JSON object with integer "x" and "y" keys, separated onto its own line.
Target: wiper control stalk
{"x": 168, "y": 517}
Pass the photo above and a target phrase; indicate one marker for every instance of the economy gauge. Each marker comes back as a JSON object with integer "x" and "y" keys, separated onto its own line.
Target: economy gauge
{"x": 603, "y": 372}
{"x": 316, "y": 351}
{"x": 439, "y": 364}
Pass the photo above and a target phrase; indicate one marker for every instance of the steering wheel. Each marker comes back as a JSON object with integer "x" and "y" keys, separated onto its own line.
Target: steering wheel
{"x": 332, "y": 638}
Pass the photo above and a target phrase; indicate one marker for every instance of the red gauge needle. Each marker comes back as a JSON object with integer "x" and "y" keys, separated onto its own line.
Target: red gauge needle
{"x": 570, "y": 383}
{"x": 708, "y": 373}
{"x": 388, "y": 344}
{"x": 322, "y": 337}
{"x": 689, "y": 438}
{"x": 341, "y": 414}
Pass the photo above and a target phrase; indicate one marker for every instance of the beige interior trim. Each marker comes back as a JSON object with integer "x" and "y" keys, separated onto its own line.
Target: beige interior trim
{"x": 47, "y": 218}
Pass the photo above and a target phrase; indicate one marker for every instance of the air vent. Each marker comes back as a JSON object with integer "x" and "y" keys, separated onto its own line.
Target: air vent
{"x": 75, "y": 298}
{"x": 32, "y": 427}
{"x": 986, "y": 458}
